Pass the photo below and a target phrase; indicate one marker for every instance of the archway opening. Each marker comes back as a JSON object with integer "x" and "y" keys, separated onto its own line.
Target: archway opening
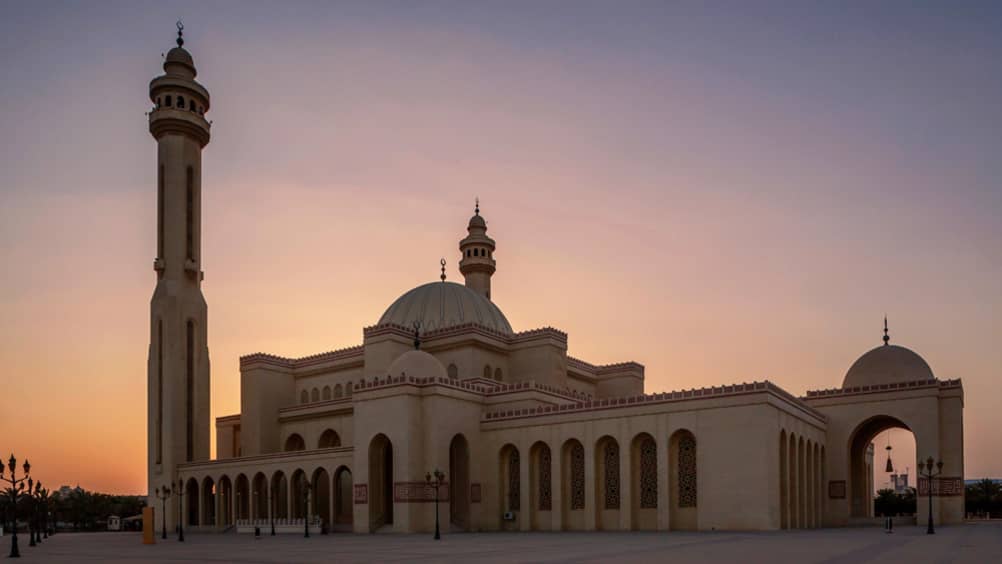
{"x": 868, "y": 464}
{"x": 343, "y": 514}
{"x": 243, "y": 497}
{"x": 321, "y": 495}
{"x": 208, "y": 516}
{"x": 510, "y": 486}
{"x": 301, "y": 508}
{"x": 225, "y": 501}
{"x": 280, "y": 495}
{"x": 607, "y": 486}
{"x": 191, "y": 499}
{"x": 459, "y": 482}
{"x": 380, "y": 482}
{"x": 260, "y": 500}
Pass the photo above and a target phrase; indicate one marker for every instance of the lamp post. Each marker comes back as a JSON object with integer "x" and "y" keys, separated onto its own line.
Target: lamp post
{"x": 307, "y": 486}
{"x": 35, "y": 496}
{"x": 929, "y": 475}
{"x": 436, "y": 483}
{"x": 179, "y": 490}
{"x": 162, "y": 495}
{"x": 14, "y": 492}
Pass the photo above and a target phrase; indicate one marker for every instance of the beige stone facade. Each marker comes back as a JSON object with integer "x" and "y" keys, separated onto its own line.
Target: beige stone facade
{"x": 528, "y": 437}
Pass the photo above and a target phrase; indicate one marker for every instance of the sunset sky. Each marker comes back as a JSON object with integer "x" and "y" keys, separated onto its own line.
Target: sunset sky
{"x": 721, "y": 191}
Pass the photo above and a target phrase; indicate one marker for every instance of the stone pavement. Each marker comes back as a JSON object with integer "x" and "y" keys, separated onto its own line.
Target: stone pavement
{"x": 976, "y": 542}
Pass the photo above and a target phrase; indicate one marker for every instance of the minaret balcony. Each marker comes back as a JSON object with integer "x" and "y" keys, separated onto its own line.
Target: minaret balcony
{"x": 172, "y": 120}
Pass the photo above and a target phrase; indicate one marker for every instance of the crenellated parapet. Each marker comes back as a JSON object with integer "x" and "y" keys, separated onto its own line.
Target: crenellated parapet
{"x": 889, "y": 387}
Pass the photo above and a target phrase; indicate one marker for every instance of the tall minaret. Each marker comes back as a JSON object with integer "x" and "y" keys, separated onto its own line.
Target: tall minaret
{"x": 178, "y": 368}
{"x": 477, "y": 249}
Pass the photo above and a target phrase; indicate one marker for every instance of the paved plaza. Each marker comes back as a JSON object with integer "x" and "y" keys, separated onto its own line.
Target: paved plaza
{"x": 980, "y": 542}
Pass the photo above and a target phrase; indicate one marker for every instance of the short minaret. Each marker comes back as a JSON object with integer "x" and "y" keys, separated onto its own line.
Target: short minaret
{"x": 477, "y": 251}
{"x": 178, "y": 367}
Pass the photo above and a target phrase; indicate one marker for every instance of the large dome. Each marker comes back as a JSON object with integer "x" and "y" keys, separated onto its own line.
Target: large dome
{"x": 438, "y": 305}
{"x": 417, "y": 364}
{"x": 887, "y": 364}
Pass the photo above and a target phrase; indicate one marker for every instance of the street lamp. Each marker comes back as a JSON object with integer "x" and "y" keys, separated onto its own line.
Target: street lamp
{"x": 307, "y": 486}
{"x": 162, "y": 495}
{"x": 436, "y": 483}
{"x": 179, "y": 490}
{"x": 14, "y": 492}
{"x": 929, "y": 475}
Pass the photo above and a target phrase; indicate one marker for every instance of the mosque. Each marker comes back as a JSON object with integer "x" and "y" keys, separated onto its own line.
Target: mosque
{"x": 526, "y": 437}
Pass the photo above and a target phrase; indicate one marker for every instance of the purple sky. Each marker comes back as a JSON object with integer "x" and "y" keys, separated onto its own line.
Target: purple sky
{"x": 722, "y": 191}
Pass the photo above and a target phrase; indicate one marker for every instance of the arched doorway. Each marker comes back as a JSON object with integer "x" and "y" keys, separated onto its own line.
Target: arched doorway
{"x": 866, "y": 461}
{"x": 343, "y": 512}
{"x": 191, "y": 499}
{"x": 510, "y": 485}
{"x": 644, "y": 482}
{"x": 321, "y": 493}
{"x": 459, "y": 483}
{"x": 540, "y": 487}
{"x": 260, "y": 500}
{"x": 380, "y": 482}
{"x": 208, "y": 515}
{"x": 682, "y": 473}
{"x": 243, "y": 497}
{"x": 280, "y": 495}
{"x": 607, "y": 485}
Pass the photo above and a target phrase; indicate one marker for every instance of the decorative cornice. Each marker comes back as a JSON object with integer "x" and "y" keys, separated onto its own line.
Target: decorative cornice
{"x": 235, "y": 418}
{"x": 272, "y": 456}
{"x": 893, "y": 387}
{"x": 302, "y": 362}
{"x": 714, "y": 392}
{"x": 603, "y": 369}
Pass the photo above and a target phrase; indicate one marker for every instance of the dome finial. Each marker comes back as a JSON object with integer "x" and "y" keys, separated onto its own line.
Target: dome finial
{"x": 180, "y": 34}
{"x": 887, "y": 338}
{"x": 476, "y": 209}
{"x": 442, "y": 262}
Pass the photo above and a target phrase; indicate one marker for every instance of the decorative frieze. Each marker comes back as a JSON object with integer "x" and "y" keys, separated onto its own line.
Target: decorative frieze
{"x": 361, "y": 494}
{"x": 942, "y": 487}
{"x": 417, "y": 492}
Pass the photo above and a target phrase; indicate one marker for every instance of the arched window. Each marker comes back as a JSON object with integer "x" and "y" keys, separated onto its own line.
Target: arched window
{"x": 315, "y": 395}
{"x": 180, "y": 102}
{"x": 577, "y": 485}
{"x": 453, "y": 372}
{"x": 687, "y": 492}
{"x": 610, "y": 474}
{"x": 294, "y": 442}
{"x": 487, "y": 372}
{"x": 497, "y": 374}
{"x": 338, "y": 392}
{"x": 168, "y": 100}
{"x": 648, "y": 473}
{"x": 511, "y": 478}
{"x": 545, "y": 495}
{"x": 304, "y": 397}
{"x": 158, "y": 102}
{"x": 327, "y": 393}
{"x": 329, "y": 439}
{"x": 347, "y": 389}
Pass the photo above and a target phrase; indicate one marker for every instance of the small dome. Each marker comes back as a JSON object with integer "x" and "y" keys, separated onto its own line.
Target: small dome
{"x": 180, "y": 56}
{"x": 887, "y": 364}
{"x": 438, "y": 305}
{"x": 417, "y": 364}
{"x": 478, "y": 221}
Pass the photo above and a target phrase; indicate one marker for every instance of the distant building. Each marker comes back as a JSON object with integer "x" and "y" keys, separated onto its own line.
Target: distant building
{"x": 899, "y": 482}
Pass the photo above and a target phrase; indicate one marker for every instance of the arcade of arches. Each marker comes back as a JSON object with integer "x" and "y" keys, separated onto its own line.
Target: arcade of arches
{"x": 528, "y": 436}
